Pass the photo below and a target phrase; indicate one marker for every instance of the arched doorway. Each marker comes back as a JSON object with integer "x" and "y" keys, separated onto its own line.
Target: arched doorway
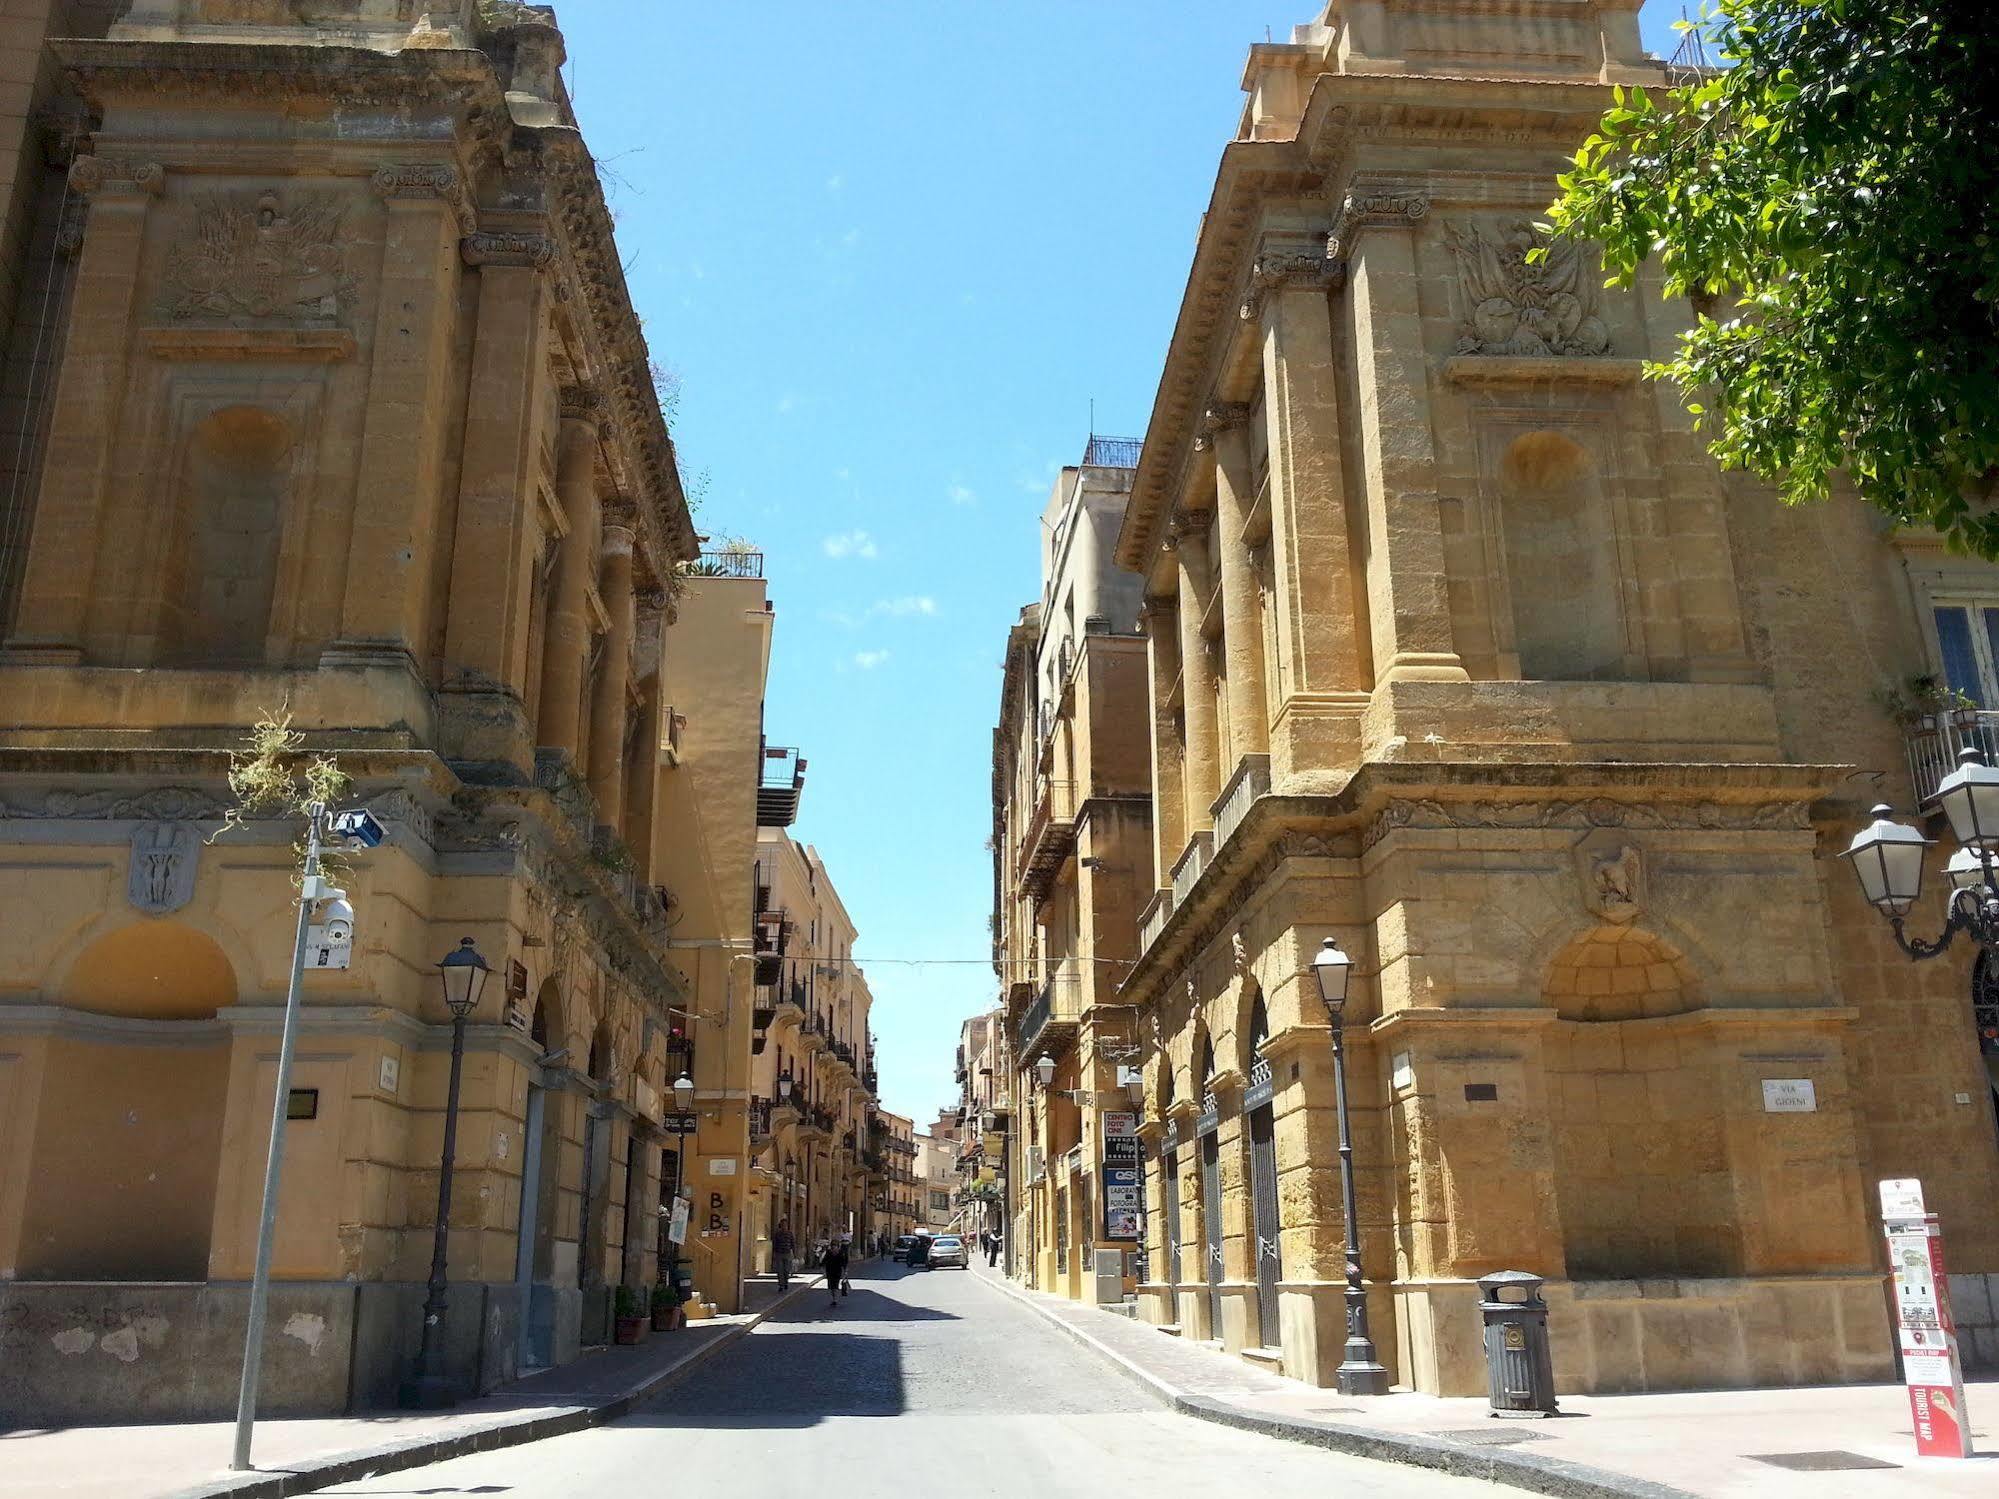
{"x": 1169, "y": 1183}
{"x": 534, "y": 1255}
{"x": 1985, "y": 1019}
{"x": 1259, "y": 1101}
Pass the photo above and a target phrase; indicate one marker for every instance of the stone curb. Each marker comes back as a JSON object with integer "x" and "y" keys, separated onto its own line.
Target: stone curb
{"x": 1519, "y": 1470}
{"x": 347, "y": 1467}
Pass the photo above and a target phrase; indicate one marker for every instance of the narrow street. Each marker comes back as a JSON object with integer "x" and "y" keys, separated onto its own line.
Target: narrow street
{"x": 921, "y": 1383}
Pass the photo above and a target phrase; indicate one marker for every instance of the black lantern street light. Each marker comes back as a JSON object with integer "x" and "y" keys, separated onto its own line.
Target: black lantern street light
{"x": 1888, "y": 857}
{"x": 683, "y": 1101}
{"x": 1360, "y": 1372}
{"x": 463, "y": 974}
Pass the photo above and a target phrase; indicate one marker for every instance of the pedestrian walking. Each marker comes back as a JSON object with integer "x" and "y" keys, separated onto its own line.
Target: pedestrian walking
{"x": 836, "y": 1271}
{"x": 782, "y": 1247}
{"x": 992, "y": 1248}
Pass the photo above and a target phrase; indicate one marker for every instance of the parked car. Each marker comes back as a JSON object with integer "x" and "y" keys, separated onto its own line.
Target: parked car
{"x": 949, "y": 1251}
{"x": 918, "y": 1253}
{"x": 902, "y": 1245}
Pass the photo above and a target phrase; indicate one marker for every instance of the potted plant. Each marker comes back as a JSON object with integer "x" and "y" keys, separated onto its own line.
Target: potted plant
{"x": 630, "y": 1317}
{"x": 666, "y": 1312}
{"x": 1926, "y": 704}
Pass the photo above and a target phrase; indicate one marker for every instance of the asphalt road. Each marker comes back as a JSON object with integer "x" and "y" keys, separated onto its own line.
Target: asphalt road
{"x": 920, "y": 1384}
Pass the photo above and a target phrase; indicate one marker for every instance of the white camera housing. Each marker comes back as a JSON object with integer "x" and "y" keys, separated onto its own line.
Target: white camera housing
{"x": 336, "y": 917}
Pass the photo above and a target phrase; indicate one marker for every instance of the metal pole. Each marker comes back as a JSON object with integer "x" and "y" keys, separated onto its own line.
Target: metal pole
{"x": 1360, "y": 1373}
{"x": 260, "y": 1281}
{"x": 429, "y": 1387}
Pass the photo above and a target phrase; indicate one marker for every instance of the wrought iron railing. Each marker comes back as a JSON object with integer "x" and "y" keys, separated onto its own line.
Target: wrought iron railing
{"x": 760, "y": 1118}
{"x": 1112, "y": 452}
{"x": 729, "y": 562}
{"x": 1251, "y": 780}
{"x": 1938, "y": 739}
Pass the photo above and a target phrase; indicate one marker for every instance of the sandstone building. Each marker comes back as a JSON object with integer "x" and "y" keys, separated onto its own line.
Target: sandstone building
{"x": 1072, "y": 840}
{"x": 1464, "y": 652}
{"x": 817, "y": 1165}
{"x": 339, "y": 408}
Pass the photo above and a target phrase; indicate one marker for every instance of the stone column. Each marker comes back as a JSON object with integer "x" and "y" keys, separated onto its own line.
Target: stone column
{"x": 61, "y": 601}
{"x": 385, "y": 609}
{"x": 642, "y": 775}
{"x": 1242, "y": 624}
{"x": 610, "y": 701}
{"x": 1168, "y": 796}
{"x": 565, "y": 653}
{"x": 1197, "y": 679}
{"x": 492, "y": 556}
{"x": 1409, "y": 611}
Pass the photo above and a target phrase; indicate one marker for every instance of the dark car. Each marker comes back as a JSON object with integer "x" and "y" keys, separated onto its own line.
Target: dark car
{"x": 902, "y": 1245}
{"x": 918, "y": 1253}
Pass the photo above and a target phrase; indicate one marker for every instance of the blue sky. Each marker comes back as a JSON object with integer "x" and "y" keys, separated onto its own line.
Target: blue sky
{"x": 894, "y": 251}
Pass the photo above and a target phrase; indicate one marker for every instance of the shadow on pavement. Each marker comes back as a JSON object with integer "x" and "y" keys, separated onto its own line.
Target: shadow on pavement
{"x": 788, "y": 1380}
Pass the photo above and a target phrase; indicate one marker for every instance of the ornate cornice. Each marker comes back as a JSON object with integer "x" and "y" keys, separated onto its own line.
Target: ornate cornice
{"x": 1283, "y": 270}
{"x": 1360, "y": 210}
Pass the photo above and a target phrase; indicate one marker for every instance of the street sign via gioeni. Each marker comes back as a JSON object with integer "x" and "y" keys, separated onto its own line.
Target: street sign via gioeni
{"x": 1930, "y": 1365}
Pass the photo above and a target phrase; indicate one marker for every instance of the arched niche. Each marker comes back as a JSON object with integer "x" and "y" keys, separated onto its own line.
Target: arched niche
{"x": 1561, "y": 561}
{"x": 151, "y": 970}
{"x": 1615, "y": 972}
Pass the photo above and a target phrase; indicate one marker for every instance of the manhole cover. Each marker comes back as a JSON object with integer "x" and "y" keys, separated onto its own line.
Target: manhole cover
{"x": 1821, "y": 1462}
{"x": 1492, "y": 1436}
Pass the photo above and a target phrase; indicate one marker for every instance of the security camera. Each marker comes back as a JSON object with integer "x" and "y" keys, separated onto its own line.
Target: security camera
{"x": 358, "y": 826}
{"x": 337, "y": 917}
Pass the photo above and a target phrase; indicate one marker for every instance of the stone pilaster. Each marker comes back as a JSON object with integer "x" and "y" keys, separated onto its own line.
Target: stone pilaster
{"x": 1169, "y": 832}
{"x": 398, "y": 493}
{"x": 1408, "y": 605}
{"x": 566, "y": 651}
{"x": 486, "y": 628}
{"x": 59, "y": 596}
{"x": 1242, "y": 621}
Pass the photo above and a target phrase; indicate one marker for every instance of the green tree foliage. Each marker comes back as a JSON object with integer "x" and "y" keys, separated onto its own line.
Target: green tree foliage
{"x": 1827, "y": 198}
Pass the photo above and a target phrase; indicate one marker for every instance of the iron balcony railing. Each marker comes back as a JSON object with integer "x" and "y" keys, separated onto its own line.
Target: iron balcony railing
{"x": 729, "y": 562}
{"x": 779, "y": 786}
{"x": 1112, "y": 452}
{"x": 1152, "y": 920}
{"x": 1192, "y": 862}
{"x": 1251, "y": 780}
{"x": 1059, "y": 1004}
{"x": 760, "y": 1118}
{"x": 1938, "y": 739}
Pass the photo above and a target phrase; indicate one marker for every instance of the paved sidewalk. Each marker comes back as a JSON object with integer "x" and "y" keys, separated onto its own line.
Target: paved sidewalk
{"x": 1705, "y": 1443}
{"x": 298, "y": 1456}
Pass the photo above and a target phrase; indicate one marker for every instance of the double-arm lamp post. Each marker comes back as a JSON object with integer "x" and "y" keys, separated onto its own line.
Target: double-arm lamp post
{"x": 463, "y": 973}
{"x": 1360, "y": 1372}
{"x": 1888, "y": 857}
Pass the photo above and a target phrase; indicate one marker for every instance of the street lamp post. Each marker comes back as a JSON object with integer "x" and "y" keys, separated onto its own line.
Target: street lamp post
{"x": 683, "y": 1100}
{"x": 463, "y": 974}
{"x": 1360, "y": 1373}
{"x": 353, "y": 829}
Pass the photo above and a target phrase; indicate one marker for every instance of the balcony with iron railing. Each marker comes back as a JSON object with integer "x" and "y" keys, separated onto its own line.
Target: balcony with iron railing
{"x": 1192, "y": 862}
{"x": 1056, "y": 1009}
{"x": 728, "y": 562}
{"x": 1049, "y": 835}
{"x": 779, "y": 786}
{"x": 760, "y": 1112}
{"x": 1152, "y": 920}
{"x": 1936, "y": 740}
{"x": 1112, "y": 452}
{"x": 1251, "y": 780}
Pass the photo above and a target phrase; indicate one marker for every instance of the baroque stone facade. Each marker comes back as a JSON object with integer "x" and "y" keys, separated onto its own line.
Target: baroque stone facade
{"x": 1465, "y": 653}
{"x": 350, "y": 420}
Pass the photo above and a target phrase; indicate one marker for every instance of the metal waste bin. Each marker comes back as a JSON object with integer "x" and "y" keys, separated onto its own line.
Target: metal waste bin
{"x": 1519, "y": 1370}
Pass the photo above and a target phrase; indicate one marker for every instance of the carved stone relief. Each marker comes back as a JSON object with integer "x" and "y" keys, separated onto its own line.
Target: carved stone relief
{"x": 1515, "y": 306}
{"x": 1612, "y": 878}
{"x": 165, "y": 858}
{"x": 260, "y": 254}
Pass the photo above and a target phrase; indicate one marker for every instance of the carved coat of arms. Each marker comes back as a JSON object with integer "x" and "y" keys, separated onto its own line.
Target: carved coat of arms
{"x": 164, "y": 860}
{"x": 260, "y": 254}
{"x": 1518, "y": 306}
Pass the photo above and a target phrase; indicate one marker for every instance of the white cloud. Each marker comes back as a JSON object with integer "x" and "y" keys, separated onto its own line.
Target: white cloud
{"x": 869, "y": 660}
{"x": 959, "y": 495}
{"x": 849, "y": 544}
{"x": 835, "y": 182}
{"x": 903, "y": 607}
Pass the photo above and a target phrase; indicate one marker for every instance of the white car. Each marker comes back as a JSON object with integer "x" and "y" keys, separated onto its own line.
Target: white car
{"x": 949, "y": 1250}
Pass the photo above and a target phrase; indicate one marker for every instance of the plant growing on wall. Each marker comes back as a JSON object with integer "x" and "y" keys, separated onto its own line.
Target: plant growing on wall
{"x": 273, "y": 776}
{"x": 1921, "y": 701}
{"x": 1829, "y": 199}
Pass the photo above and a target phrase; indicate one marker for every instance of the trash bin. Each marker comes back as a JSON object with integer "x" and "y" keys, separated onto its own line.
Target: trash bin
{"x": 1519, "y": 1370}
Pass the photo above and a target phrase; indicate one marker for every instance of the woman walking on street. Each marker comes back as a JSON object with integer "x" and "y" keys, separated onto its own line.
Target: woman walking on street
{"x": 836, "y": 1271}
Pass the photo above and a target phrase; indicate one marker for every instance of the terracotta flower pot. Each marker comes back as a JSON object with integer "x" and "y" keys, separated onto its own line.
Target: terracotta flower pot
{"x": 630, "y": 1331}
{"x": 662, "y": 1318}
